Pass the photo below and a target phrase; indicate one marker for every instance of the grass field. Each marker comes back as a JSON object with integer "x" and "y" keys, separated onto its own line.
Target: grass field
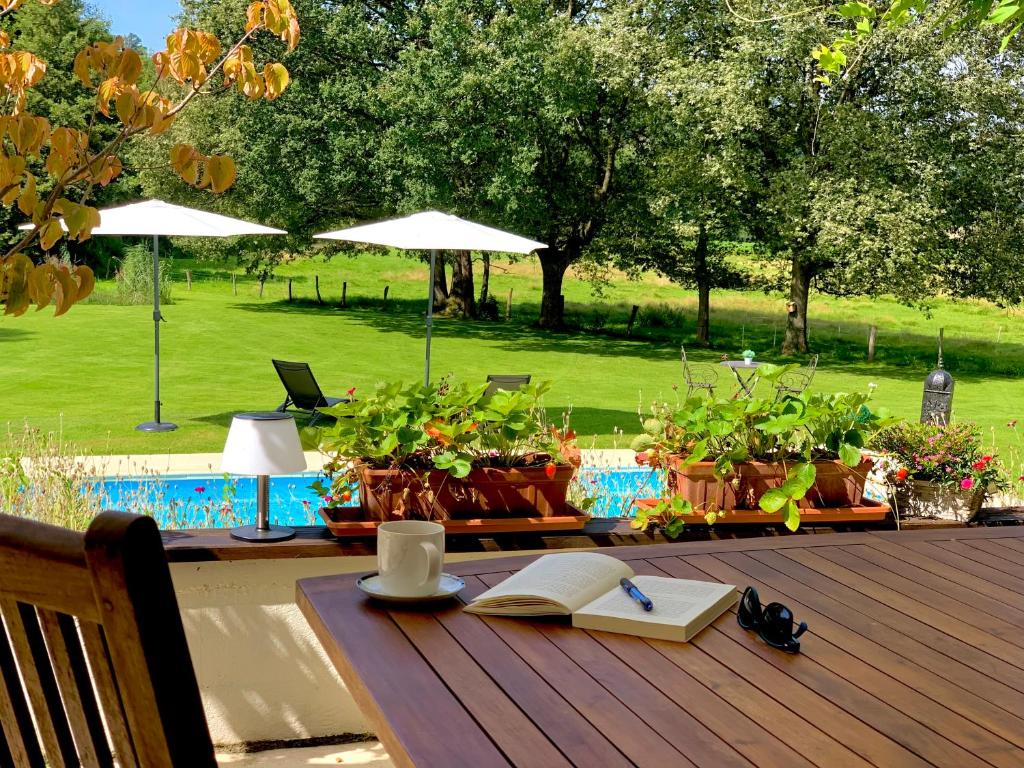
{"x": 89, "y": 373}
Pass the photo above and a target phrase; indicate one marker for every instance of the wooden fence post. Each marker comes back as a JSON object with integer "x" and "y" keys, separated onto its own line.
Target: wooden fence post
{"x": 188, "y": 278}
{"x": 344, "y": 294}
{"x": 316, "y": 280}
{"x": 386, "y": 289}
{"x": 261, "y": 287}
{"x": 632, "y": 319}
{"x": 234, "y": 285}
{"x": 508, "y": 306}
{"x": 289, "y": 289}
{"x": 872, "y": 336}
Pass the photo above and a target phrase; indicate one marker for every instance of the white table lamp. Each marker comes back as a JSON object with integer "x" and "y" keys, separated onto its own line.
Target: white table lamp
{"x": 263, "y": 444}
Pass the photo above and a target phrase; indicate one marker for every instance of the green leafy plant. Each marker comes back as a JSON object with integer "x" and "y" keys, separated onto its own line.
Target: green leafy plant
{"x": 452, "y": 427}
{"x": 794, "y": 429}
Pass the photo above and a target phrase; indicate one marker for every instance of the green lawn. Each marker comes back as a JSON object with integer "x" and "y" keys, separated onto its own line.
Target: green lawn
{"x": 90, "y": 372}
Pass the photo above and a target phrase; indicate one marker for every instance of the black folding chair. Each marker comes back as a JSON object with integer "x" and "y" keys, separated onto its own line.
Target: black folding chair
{"x": 303, "y": 393}
{"x": 498, "y": 381}
{"x": 698, "y": 377}
{"x": 795, "y": 382}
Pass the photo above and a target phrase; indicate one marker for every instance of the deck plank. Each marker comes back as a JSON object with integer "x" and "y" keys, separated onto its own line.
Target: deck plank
{"x": 914, "y": 658}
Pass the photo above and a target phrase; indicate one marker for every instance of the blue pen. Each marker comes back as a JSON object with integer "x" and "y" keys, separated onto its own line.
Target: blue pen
{"x": 636, "y": 594}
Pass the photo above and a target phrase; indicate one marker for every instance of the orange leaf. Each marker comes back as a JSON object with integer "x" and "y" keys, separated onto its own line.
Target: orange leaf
{"x": 276, "y": 77}
{"x": 86, "y": 281}
{"x": 50, "y": 233}
{"x": 221, "y": 172}
{"x": 185, "y": 162}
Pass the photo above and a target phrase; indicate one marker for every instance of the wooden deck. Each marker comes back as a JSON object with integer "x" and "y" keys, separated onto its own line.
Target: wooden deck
{"x": 915, "y": 657}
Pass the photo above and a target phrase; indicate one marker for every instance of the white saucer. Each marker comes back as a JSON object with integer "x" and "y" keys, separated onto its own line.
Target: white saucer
{"x": 449, "y": 587}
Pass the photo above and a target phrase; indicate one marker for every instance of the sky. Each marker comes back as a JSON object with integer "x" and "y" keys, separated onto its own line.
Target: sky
{"x": 149, "y": 19}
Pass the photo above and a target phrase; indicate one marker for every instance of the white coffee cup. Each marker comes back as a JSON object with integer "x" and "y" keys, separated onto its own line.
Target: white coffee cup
{"x": 410, "y": 554}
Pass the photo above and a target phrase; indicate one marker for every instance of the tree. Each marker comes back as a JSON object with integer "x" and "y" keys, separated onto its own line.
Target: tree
{"x": 528, "y": 116}
{"x": 864, "y": 184}
{"x": 44, "y": 166}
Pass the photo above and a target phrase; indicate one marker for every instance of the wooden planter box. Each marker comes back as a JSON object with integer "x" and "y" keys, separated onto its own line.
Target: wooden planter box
{"x": 350, "y": 522}
{"x": 866, "y": 512}
{"x": 835, "y": 485}
{"x": 435, "y": 495}
{"x": 923, "y": 498}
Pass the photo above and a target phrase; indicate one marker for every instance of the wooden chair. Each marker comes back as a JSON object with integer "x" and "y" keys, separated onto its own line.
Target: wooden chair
{"x": 511, "y": 381}
{"x": 698, "y": 377}
{"x": 93, "y": 651}
{"x": 795, "y": 382}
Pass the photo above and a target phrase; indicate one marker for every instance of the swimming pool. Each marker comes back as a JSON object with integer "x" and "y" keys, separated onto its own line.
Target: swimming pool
{"x": 219, "y": 501}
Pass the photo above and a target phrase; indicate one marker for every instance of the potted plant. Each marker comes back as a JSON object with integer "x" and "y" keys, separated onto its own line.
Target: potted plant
{"x": 748, "y": 356}
{"x": 936, "y": 470}
{"x": 446, "y": 451}
{"x": 774, "y": 455}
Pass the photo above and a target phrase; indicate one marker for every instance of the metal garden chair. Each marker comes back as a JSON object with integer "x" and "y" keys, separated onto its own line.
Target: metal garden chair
{"x": 498, "y": 381}
{"x": 698, "y": 377}
{"x": 796, "y": 382}
{"x": 303, "y": 393}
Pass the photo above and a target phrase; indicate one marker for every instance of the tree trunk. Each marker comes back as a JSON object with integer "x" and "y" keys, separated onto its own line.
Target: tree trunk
{"x": 485, "y": 279}
{"x": 440, "y": 284}
{"x": 462, "y": 301}
{"x": 553, "y": 264}
{"x": 795, "y": 341}
{"x": 700, "y": 257}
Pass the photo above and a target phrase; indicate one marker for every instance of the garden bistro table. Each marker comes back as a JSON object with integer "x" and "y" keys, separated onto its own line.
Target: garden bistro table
{"x": 914, "y": 657}
{"x": 746, "y": 382}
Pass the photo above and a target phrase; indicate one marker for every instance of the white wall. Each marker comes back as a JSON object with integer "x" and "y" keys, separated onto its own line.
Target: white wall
{"x": 261, "y": 670}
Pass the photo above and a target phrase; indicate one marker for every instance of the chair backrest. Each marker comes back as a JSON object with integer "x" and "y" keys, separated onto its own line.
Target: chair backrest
{"x": 94, "y": 665}
{"x": 497, "y": 381}
{"x": 686, "y": 364}
{"x": 300, "y": 384}
{"x": 811, "y": 368}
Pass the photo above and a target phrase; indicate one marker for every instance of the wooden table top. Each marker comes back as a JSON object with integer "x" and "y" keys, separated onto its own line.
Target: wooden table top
{"x": 914, "y": 657}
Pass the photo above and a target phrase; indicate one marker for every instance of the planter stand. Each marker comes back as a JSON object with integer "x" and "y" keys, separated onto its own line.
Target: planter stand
{"x": 869, "y": 512}
{"x": 344, "y": 522}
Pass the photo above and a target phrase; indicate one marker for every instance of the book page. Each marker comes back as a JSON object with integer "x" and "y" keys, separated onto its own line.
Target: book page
{"x": 682, "y": 608}
{"x": 559, "y": 583}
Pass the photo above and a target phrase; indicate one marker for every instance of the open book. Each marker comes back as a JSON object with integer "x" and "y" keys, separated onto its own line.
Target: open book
{"x": 586, "y": 585}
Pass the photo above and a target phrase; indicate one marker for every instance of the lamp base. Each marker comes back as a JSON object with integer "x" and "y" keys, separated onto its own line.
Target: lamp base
{"x": 252, "y": 533}
{"x": 156, "y": 426}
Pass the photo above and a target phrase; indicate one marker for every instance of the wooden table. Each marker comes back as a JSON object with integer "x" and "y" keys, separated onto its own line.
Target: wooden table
{"x": 915, "y": 657}
{"x": 746, "y": 384}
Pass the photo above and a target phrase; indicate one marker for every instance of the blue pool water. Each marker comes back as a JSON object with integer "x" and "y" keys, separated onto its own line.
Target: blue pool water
{"x": 217, "y": 501}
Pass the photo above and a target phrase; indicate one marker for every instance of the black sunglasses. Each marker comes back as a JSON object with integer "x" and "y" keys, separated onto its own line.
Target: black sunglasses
{"x": 774, "y": 622}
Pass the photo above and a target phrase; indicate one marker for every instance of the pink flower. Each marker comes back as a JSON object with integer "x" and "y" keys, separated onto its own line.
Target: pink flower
{"x": 967, "y": 483}
{"x": 200, "y": 489}
{"x": 328, "y": 498}
{"x": 305, "y": 504}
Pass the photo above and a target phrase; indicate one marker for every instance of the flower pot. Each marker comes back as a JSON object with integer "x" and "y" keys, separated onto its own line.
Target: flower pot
{"x": 835, "y": 485}
{"x": 923, "y": 498}
{"x": 386, "y": 494}
{"x": 399, "y": 494}
{"x": 501, "y": 491}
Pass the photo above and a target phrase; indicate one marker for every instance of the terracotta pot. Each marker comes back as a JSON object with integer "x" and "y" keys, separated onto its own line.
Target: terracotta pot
{"x": 393, "y": 494}
{"x": 836, "y": 485}
{"x": 436, "y": 495}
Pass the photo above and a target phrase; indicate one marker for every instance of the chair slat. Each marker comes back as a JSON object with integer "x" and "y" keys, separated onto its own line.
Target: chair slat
{"x": 75, "y": 690}
{"x": 94, "y": 662}
{"x": 109, "y": 695}
{"x": 37, "y": 674}
{"x": 20, "y": 741}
